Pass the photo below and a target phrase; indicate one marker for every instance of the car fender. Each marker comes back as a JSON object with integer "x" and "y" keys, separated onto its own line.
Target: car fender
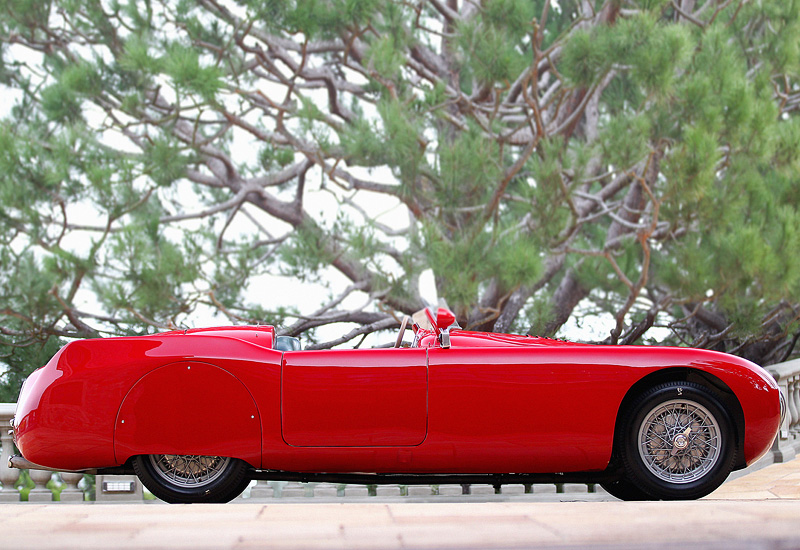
{"x": 188, "y": 408}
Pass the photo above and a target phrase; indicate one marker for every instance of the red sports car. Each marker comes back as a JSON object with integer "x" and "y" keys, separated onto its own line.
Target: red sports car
{"x": 197, "y": 414}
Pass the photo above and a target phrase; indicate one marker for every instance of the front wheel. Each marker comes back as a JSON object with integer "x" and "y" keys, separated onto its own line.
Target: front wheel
{"x": 678, "y": 442}
{"x": 190, "y": 478}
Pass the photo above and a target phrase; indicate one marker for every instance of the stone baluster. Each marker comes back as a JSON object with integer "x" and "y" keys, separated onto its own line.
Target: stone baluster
{"x": 786, "y": 389}
{"x": 795, "y": 399}
{"x": 262, "y": 489}
{"x": 513, "y": 489}
{"x": 8, "y": 476}
{"x": 787, "y": 375}
{"x": 481, "y": 489}
{"x": 40, "y": 493}
{"x": 71, "y": 493}
{"x": 388, "y": 491}
{"x": 791, "y": 413}
{"x": 293, "y": 489}
{"x": 325, "y": 490}
{"x": 451, "y": 490}
{"x": 419, "y": 490}
{"x": 354, "y": 490}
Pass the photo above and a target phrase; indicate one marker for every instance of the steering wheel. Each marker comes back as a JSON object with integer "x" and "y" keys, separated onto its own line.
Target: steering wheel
{"x": 403, "y": 325}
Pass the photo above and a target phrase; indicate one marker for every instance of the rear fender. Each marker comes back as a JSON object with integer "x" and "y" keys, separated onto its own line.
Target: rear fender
{"x": 189, "y": 408}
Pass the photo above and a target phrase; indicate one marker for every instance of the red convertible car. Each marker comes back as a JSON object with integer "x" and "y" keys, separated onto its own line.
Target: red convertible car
{"x": 197, "y": 414}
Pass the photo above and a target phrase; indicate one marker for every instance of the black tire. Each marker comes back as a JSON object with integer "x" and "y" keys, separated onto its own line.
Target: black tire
{"x": 625, "y": 490}
{"x": 677, "y": 442}
{"x": 188, "y": 479}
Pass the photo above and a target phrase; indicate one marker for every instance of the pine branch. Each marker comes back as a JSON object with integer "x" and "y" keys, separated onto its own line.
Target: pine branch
{"x": 360, "y": 331}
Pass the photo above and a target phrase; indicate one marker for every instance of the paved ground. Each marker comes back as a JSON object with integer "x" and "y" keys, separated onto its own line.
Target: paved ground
{"x": 757, "y": 511}
{"x": 778, "y": 481}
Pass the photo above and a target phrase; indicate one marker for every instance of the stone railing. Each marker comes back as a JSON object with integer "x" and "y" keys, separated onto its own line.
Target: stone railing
{"x": 45, "y": 486}
{"x": 787, "y": 444}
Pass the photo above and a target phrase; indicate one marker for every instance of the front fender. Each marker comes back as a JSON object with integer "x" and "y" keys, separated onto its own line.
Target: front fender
{"x": 188, "y": 408}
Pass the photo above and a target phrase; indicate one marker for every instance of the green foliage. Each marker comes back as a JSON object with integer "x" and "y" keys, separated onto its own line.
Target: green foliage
{"x": 386, "y": 57}
{"x": 534, "y": 320}
{"x": 464, "y": 264}
{"x": 402, "y": 146}
{"x": 655, "y": 53}
{"x": 137, "y": 56}
{"x": 490, "y": 44}
{"x": 60, "y": 104}
{"x": 308, "y": 251}
{"x": 465, "y": 165}
{"x": 492, "y": 57}
{"x": 152, "y": 271}
{"x": 17, "y": 362}
{"x": 27, "y": 284}
{"x": 268, "y": 10}
{"x": 513, "y": 16}
{"x": 518, "y": 261}
{"x": 625, "y": 139}
{"x": 271, "y": 157}
{"x": 780, "y": 49}
{"x": 583, "y": 59}
{"x": 183, "y": 65}
{"x": 165, "y": 162}
{"x": 435, "y": 96}
{"x": 787, "y": 154}
{"x": 362, "y": 143}
{"x": 547, "y": 195}
{"x": 30, "y": 13}
{"x": 316, "y": 18}
{"x": 653, "y": 6}
{"x": 690, "y": 169}
{"x": 81, "y": 78}
{"x": 460, "y": 265}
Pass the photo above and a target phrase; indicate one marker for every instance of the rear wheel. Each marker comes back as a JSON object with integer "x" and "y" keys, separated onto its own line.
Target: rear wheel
{"x": 678, "y": 442}
{"x": 191, "y": 478}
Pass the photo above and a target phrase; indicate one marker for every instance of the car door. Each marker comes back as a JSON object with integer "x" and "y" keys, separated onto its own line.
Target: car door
{"x": 526, "y": 408}
{"x": 354, "y": 398}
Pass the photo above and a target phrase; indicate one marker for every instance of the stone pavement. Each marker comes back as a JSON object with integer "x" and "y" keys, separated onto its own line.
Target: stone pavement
{"x": 778, "y": 481}
{"x": 758, "y": 511}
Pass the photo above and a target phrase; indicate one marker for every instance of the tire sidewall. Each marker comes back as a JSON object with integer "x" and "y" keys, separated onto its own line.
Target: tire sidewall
{"x": 224, "y": 488}
{"x": 637, "y": 471}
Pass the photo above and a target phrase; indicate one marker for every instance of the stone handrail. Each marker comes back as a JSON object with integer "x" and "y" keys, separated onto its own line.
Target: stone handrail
{"x": 785, "y": 447}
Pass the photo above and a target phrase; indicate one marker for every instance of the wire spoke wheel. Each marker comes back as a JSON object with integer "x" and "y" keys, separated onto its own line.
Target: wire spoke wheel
{"x": 679, "y": 441}
{"x": 189, "y": 470}
{"x": 192, "y": 478}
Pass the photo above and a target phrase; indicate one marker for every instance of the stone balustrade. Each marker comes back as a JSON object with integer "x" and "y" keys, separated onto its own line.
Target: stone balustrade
{"x": 787, "y": 444}
{"x": 71, "y": 487}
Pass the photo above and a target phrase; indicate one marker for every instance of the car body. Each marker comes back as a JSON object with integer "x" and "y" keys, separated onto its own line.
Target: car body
{"x": 198, "y": 413}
